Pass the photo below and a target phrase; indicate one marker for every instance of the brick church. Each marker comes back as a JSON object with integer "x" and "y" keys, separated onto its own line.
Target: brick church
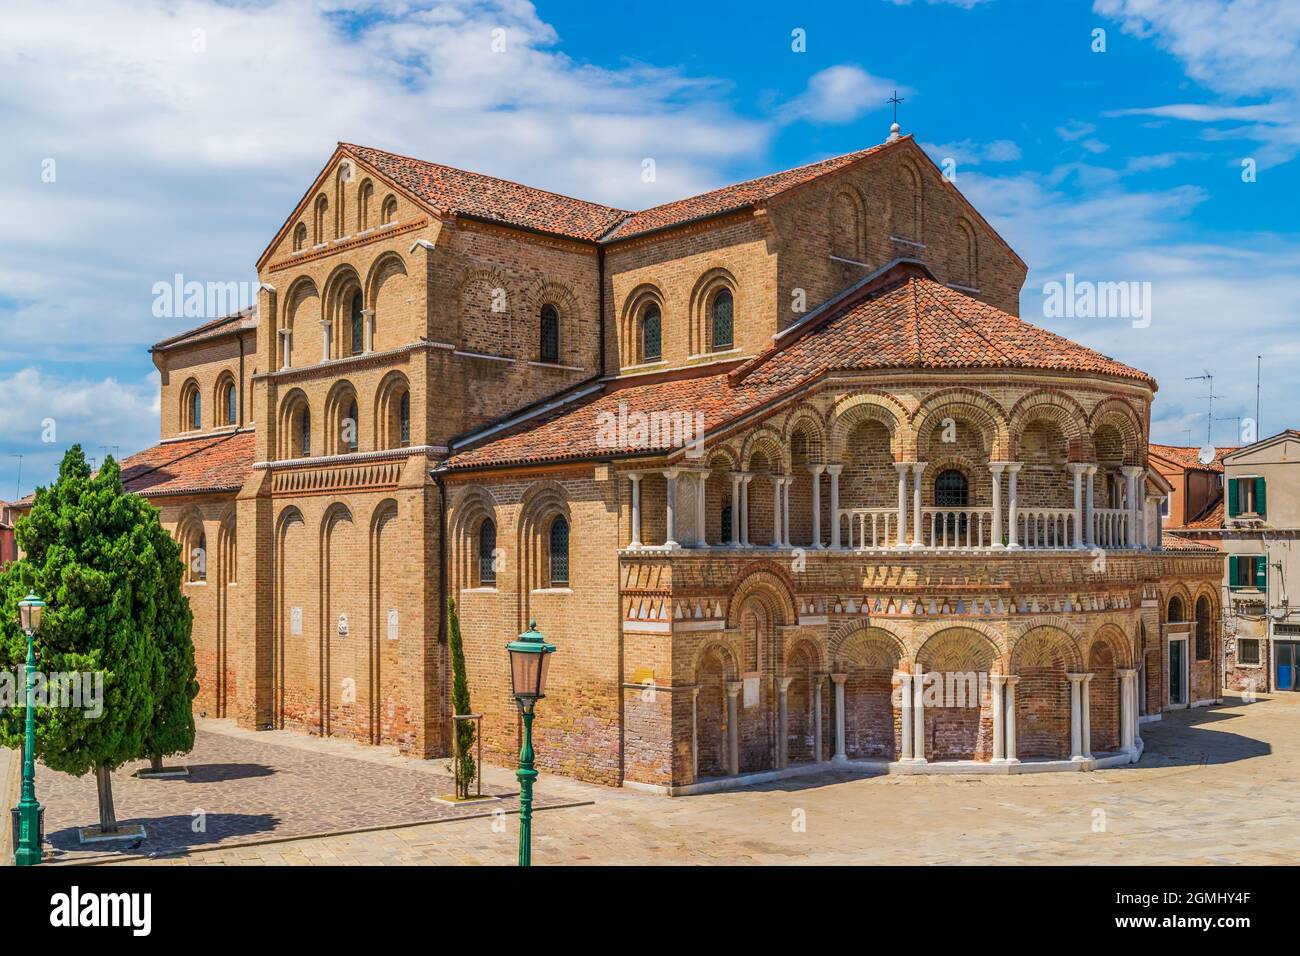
{"x": 778, "y": 468}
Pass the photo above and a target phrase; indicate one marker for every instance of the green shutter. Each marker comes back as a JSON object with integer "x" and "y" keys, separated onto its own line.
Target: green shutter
{"x": 1233, "y": 509}
{"x": 1261, "y": 572}
{"x": 1232, "y": 572}
{"x": 1259, "y": 497}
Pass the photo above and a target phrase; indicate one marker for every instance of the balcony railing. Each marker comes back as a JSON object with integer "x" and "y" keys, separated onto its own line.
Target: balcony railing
{"x": 1110, "y": 527}
{"x": 868, "y": 528}
{"x": 1046, "y": 527}
{"x": 957, "y": 527}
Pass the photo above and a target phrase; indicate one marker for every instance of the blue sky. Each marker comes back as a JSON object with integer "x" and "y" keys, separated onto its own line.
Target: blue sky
{"x": 182, "y": 133}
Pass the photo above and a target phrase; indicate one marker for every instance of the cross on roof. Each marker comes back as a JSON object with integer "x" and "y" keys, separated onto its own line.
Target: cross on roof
{"x": 895, "y": 99}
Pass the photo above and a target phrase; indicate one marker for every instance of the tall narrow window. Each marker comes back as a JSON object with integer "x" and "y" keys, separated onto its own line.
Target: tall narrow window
{"x": 487, "y": 545}
{"x": 404, "y": 420}
{"x": 559, "y": 552}
{"x": 550, "y": 334}
{"x": 364, "y": 196}
{"x": 952, "y": 491}
{"x": 724, "y": 532}
{"x": 358, "y": 325}
{"x": 351, "y": 427}
{"x": 199, "y": 558}
{"x": 304, "y": 432}
{"x": 232, "y": 401}
{"x": 722, "y": 320}
{"x": 196, "y": 410}
{"x": 389, "y": 212}
{"x": 651, "y": 335}
{"x": 1202, "y": 629}
{"x": 300, "y": 237}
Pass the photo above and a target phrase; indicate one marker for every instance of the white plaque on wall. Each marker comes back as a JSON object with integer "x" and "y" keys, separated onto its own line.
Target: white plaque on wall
{"x": 343, "y": 625}
{"x": 751, "y": 692}
{"x": 392, "y": 623}
{"x": 295, "y": 620}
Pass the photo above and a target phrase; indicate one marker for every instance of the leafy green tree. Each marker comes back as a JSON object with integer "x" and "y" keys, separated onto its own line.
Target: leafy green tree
{"x": 111, "y": 577}
{"x": 464, "y": 729}
{"x": 172, "y": 729}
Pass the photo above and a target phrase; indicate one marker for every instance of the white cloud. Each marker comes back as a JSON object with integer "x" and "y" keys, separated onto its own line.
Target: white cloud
{"x": 964, "y": 4}
{"x": 970, "y": 153}
{"x": 840, "y": 94}
{"x": 1075, "y": 129}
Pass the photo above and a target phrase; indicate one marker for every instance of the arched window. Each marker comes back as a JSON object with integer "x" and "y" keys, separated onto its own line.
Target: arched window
{"x": 231, "y": 403}
{"x": 487, "y": 545}
{"x": 389, "y": 212}
{"x": 651, "y": 334}
{"x": 192, "y": 408}
{"x": 950, "y": 489}
{"x": 1176, "y": 614}
{"x": 351, "y": 426}
{"x": 318, "y": 225}
{"x": 198, "y": 556}
{"x": 304, "y": 432}
{"x": 721, "y": 320}
{"x": 364, "y": 196}
{"x": 559, "y": 552}
{"x": 1203, "y": 629}
{"x": 404, "y": 420}
{"x": 300, "y": 237}
{"x": 549, "y": 350}
{"x": 357, "y": 325}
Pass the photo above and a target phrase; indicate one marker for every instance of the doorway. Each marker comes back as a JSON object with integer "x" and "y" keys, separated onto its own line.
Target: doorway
{"x": 1178, "y": 671}
{"x": 1286, "y": 667}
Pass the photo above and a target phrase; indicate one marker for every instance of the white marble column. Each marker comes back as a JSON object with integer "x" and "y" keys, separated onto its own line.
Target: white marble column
{"x": 905, "y": 702}
{"x": 918, "y": 717}
{"x": 1009, "y": 702}
{"x": 326, "y": 328}
{"x": 999, "y": 719}
{"x": 744, "y": 508}
{"x": 695, "y": 733}
{"x": 1089, "y": 522}
{"x": 786, "y": 482}
{"x": 635, "y": 478}
{"x": 701, "y": 537}
{"x": 1151, "y": 521}
{"x": 368, "y": 329}
{"x": 1131, "y": 473}
{"x": 816, "y": 471}
{"x": 839, "y": 679}
{"x": 735, "y": 507}
{"x": 783, "y": 722}
{"x": 834, "y": 472}
{"x": 286, "y": 348}
{"x": 1086, "y": 722}
{"x": 671, "y": 506}
{"x": 918, "y": 534}
{"x": 1077, "y": 468}
{"x": 995, "y": 469}
{"x": 776, "y": 511}
{"x": 818, "y": 681}
{"x": 733, "y": 727}
{"x": 1126, "y": 707}
{"x": 1076, "y": 717}
{"x": 902, "y": 467}
{"x": 1013, "y": 504}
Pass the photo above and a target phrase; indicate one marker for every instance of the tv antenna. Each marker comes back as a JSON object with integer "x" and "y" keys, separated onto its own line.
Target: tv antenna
{"x": 1209, "y": 421}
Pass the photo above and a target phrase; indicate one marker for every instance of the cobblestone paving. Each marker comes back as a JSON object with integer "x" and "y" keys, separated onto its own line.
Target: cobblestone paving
{"x": 1218, "y": 785}
{"x": 247, "y": 788}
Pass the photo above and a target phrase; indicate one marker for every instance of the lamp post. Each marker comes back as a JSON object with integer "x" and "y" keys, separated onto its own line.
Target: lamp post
{"x": 27, "y": 816}
{"x": 529, "y": 660}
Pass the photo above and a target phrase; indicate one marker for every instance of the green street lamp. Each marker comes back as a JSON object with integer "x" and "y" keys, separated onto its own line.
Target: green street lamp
{"x": 28, "y": 816}
{"x": 529, "y": 661}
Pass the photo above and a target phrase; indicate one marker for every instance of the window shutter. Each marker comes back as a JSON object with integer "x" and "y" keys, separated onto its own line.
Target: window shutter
{"x": 1259, "y": 497}
{"x": 1232, "y": 571}
{"x": 1233, "y": 510}
{"x": 1261, "y": 572}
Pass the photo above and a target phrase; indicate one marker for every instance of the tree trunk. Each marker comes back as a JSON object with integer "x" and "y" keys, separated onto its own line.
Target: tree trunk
{"x": 107, "y": 815}
{"x": 155, "y": 763}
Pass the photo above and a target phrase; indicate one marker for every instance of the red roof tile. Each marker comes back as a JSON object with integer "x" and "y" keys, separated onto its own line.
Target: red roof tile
{"x": 211, "y": 463}
{"x": 1188, "y": 457}
{"x": 243, "y": 319}
{"x": 730, "y": 198}
{"x": 912, "y": 324}
{"x": 1172, "y": 541}
{"x": 452, "y": 190}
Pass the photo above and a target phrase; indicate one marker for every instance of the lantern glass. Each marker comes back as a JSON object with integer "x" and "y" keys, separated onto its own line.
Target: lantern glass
{"x": 525, "y": 672}
{"x": 30, "y": 610}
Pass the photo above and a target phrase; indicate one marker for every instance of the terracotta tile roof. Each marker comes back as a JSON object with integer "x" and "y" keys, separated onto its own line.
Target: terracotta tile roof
{"x": 730, "y": 198}
{"x": 458, "y": 191}
{"x": 915, "y": 323}
{"x": 485, "y": 197}
{"x": 1210, "y": 519}
{"x": 1172, "y": 541}
{"x": 243, "y": 319}
{"x": 1189, "y": 456}
{"x": 211, "y": 463}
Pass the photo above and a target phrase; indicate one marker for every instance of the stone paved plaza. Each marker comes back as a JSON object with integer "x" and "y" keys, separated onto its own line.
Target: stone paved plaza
{"x": 1217, "y": 785}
